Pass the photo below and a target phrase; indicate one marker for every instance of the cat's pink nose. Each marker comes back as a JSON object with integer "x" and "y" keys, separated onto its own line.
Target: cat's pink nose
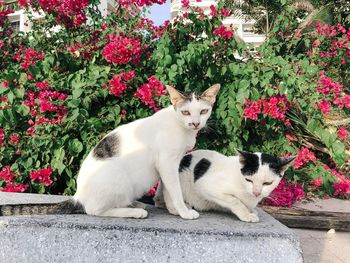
{"x": 195, "y": 124}
{"x": 256, "y": 193}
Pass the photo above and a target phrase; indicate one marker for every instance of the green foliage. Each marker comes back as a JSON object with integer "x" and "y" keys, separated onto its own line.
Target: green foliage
{"x": 186, "y": 54}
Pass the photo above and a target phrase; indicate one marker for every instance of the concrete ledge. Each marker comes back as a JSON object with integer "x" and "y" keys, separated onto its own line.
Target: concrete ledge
{"x": 159, "y": 238}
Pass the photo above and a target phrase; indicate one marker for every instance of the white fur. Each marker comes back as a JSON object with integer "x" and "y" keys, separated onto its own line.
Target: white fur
{"x": 149, "y": 148}
{"x": 223, "y": 187}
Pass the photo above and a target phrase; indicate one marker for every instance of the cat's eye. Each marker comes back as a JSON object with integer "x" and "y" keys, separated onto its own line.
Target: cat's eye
{"x": 267, "y": 183}
{"x": 185, "y": 112}
{"x": 248, "y": 180}
{"x": 205, "y": 111}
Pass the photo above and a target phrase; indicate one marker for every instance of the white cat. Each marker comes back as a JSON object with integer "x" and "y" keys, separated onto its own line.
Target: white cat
{"x": 128, "y": 161}
{"x": 212, "y": 181}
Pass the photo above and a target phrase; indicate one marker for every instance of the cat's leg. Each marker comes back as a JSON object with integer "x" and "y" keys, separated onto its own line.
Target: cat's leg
{"x": 168, "y": 171}
{"x": 138, "y": 204}
{"x": 125, "y": 212}
{"x": 234, "y": 205}
{"x": 159, "y": 197}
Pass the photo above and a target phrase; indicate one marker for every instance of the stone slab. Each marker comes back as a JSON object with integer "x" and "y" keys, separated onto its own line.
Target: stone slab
{"x": 214, "y": 237}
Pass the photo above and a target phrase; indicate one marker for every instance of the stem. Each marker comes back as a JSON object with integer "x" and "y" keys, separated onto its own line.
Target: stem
{"x": 267, "y": 20}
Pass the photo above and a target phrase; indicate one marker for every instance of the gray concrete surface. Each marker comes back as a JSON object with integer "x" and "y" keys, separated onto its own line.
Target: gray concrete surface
{"x": 159, "y": 238}
{"x": 325, "y": 246}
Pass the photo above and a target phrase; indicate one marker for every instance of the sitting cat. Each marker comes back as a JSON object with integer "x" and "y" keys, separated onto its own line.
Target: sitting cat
{"x": 129, "y": 160}
{"x": 212, "y": 181}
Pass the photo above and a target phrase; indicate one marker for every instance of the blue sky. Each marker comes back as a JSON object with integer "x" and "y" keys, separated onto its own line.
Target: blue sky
{"x": 160, "y": 13}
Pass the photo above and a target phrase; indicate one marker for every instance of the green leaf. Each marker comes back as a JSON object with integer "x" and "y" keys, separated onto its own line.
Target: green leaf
{"x": 23, "y": 110}
{"x": 75, "y": 147}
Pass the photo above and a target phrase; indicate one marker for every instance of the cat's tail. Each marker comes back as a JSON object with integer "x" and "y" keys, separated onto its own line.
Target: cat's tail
{"x": 67, "y": 207}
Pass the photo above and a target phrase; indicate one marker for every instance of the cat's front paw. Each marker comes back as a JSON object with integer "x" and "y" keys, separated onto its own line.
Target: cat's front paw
{"x": 190, "y": 214}
{"x": 249, "y": 217}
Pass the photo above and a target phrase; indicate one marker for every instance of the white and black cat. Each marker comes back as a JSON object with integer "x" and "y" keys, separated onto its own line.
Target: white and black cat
{"x": 129, "y": 160}
{"x": 212, "y": 181}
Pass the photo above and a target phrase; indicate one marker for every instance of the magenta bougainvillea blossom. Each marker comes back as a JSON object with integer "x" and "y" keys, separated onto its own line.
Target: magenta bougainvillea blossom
{"x": 149, "y": 91}
{"x": 285, "y": 194}
{"x": 275, "y": 107}
{"x": 42, "y": 175}
{"x": 121, "y": 50}
{"x": 118, "y": 84}
{"x": 224, "y": 32}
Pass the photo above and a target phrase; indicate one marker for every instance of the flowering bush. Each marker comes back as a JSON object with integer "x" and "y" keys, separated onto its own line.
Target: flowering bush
{"x": 61, "y": 91}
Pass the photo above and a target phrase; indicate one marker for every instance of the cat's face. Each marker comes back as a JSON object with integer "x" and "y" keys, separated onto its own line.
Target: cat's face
{"x": 193, "y": 110}
{"x": 261, "y": 172}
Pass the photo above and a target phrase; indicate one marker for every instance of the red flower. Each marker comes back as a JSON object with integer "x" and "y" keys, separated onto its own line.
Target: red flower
{"x": 317, "y": 182}
{"x": 324, "y": 106}
{"x": 43, "y": 85}
{"x": 343, "y": 133}
{"x": 148, "y": 91}
{"x": 13, "y": 187}
{"x": 185, "y": 3}
{"x": 43, "y": 176}
{"x": 304, "y": 156}
{"x": 6, "y": 174}
{"x": 252, "y": 110}
{"x": 223, "y": 32}
{"x": 14, "y": 138}
{"x": 5, "y": 84}
{"x": 225, "y": 12}
{"x": 213, "y": 11}
{"x": 121, "y": 50}
{"x": 2, "y": 136}
{"x": 117, "y": 85}
{"x": 285, "y": 195}
{"x": 342, "y": 188}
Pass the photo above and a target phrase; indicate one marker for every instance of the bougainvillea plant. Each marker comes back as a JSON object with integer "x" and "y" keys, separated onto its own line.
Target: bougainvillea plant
{"x": 62, "y": 90}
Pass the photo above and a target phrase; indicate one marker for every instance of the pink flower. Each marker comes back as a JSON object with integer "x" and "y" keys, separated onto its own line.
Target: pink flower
{"x": 304, "y": 156}
{"x": 5, "y": 84}
{"x": 223, "y": 32}
{"x": 2, "y": 136}
{"x": 121, "y": 50}
{"x": 43, "y": 85}
{"x": 252, "y": 110}
{"x": 291, "y": 137}
{"x": 6, "y": 174}
{"x": 148, "y": 91}
{"x": 343, "y": 133}
{"x": 13, "y": 187}
{"x": 324, "y": 106}
{"x": 317, "y": 182}
{"x": 225, "y": 12}
{"x": 43, "y": 176}
{"x": 342, "y": 188}
{"x": 285, "y": 195}
{"x": 14, "y": 138}
{"x": 213, "y": 11}
{"x": 185, "y": 3}
{"x": 117, "y": 85}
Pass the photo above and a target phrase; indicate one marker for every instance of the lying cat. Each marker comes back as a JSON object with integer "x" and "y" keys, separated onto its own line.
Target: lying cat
{"x": 129, "y": 160}
{"x": 212, "y": 181}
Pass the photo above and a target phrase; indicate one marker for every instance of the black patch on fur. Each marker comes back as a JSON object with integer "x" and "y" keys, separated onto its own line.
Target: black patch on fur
{"x": 275, "y": 163}
{"x": 250, "y": 163}
{"x": 189, "y": 95}
{"x": 107, "y": 147}
{"x": 185, "y": 162}
{"x": 201, "y": 168}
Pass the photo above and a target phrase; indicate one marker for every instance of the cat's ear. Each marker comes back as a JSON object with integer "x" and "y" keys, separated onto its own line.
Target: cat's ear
{"x": 175, "y": 96}
{"x": 210, "y": 93}
{"x": 243, "y": 156}
{"x": 285, "y": 163}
